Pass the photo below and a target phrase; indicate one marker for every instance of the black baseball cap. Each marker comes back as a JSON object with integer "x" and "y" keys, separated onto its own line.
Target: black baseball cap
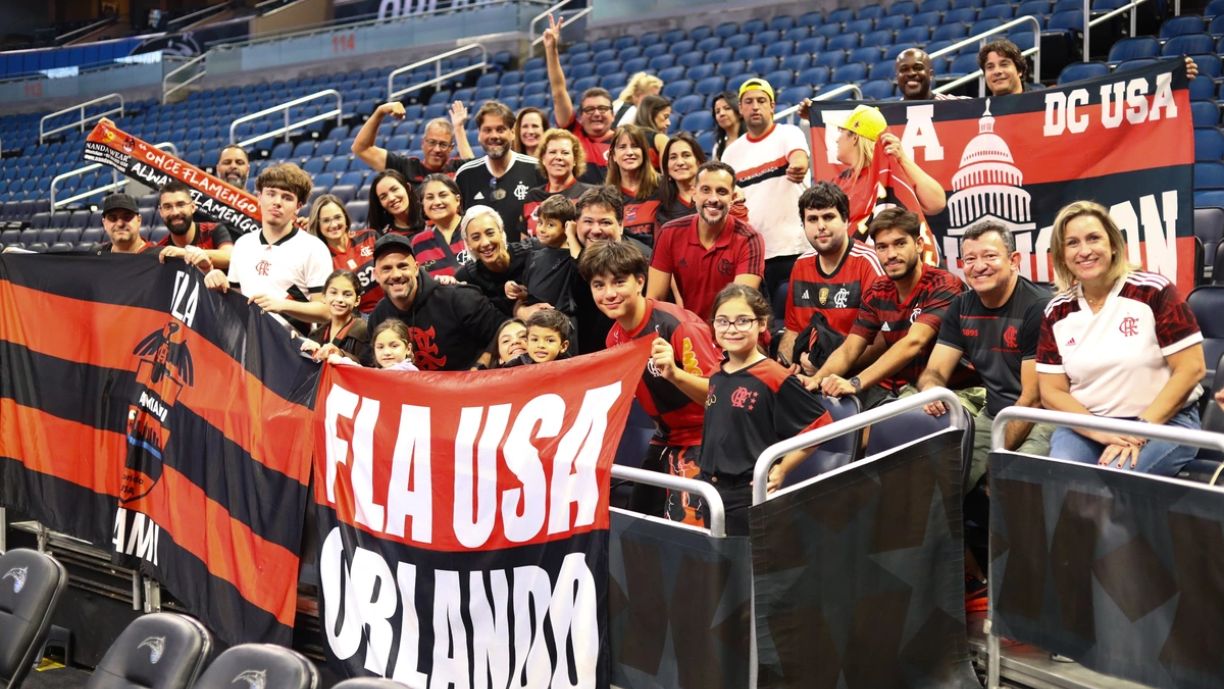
{"x": 392, "y": 242}
{"x": 119, "y": 202}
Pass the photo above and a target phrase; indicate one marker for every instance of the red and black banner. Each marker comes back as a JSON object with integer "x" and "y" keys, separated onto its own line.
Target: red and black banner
{"x": 169, "y": 424}
{"x": 463, "y": 520}
{"x": 153, "y": 167}
{"x": 1125, "y": 141}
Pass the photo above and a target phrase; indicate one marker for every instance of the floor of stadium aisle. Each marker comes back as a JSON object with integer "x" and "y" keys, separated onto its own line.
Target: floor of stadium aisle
{"x": 53, "y": 675}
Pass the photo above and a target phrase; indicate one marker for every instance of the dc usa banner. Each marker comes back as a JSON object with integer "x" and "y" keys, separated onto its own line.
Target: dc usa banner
{"x": 169, "y": 424}
{"x": 1125, "y": 141}
{"x": 464, "y": 522}
{"x": 153, "y": 167}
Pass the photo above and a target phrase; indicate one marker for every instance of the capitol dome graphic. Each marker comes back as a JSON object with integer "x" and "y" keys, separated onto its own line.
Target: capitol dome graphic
{"x": 988, "y": 185}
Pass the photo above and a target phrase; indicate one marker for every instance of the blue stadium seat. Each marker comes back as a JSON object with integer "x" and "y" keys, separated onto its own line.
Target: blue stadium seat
{"x": 865, "y": 55}
{"x": 877, "y": 39}
{"x": 840, "y": 15}
{"x": 1209, "y": 65}
{"x": 701, "y": 32}
{"x": 927, "y": 19}
{"x": 859, "y": 26}
{"x": 737, "y": 41}
{"x": 601, "y": 44}
{"x": 961, "y": 65}
{"x": 893, "y": 23}
{"x": 797, "y": 63}
{"x": 903, "y": 8}
{"x": 1216, "y": 26}
{"x": 1207, "y": 304}
{"x": 699, "y": 72}
{"x": 753, "y": 26}
{"x": 1208, "y": 144}
{"x": 658, "y": 63}
{"x": 711, "y": 85}
{"x": 811, "y": 45}
{"x": 623, "y": 42}
{"x": 780, "y": 79}
{"x": 782, "y": 22}
{"x": 828, "y": 30}
{"x": 1082, "y": 70}
{"x": 884, "y": 69}
{"x": 831, "y": 58}
{"x": 1215, "y": 8}
{"x": 731, "y": 68}
{"x": 780, "y": 49}
{"x": 709, "y": 43}
{"x": 1202, "y": 88}
{"x": 698, "y": 121}
{"x": 764, "y": 38}
{"x": 879, "y": 89}
{"x": 814, "y": 76}
{"x": 871, "y": 11}
{"x": 793, "y": 95}
{"x": 670, "y": 74}
{"x": 636, "y": 64}
{"x": 1206, "y": 113}
{"x": 950, "y": 32}
{"x": 850, "y": 72}
{"x": 834, "y": 453}
{"x": 915, "y": 35}
{"x": 680, "y": 87}
{"x": 1065, "y": 5}
{"x": 763, "y": 65}
{"x": 1209, "y": 175}
{"x": 748, "y": 52}
{"x": 1210, "y": 198}
{"x": 690, "y": 103}
{"x": 1188, "y": 44}
{"x": 997, "y": 13}
{"x": 1033, "y": 8}
{"x": 71, "y": 235}
{"x": 718, "y": 55}
{"x": 1178, "y": 26}
{"x": 960, "y": 15}
{"x": 935, "y": 5}
{"x": 844, "y": 95}
{"x": 655, "y": 49}
{"x": 1136, "y": 63}
{"x": 726, "y": 29}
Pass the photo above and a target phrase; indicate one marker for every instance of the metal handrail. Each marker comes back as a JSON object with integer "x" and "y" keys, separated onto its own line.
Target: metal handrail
{"x": 289, "y": 126}
{"x": 1134, "y": 16}
{"x": 43, "y": 132}
{"x": 850, "y": 424}
{"x": 794, "y": 109}
{"x": 115, "y": 183}
{"x": 1035, "y": 51}
{"x": 190, "y": 18}
{"x": 708, "y": 493}
{"x": 1173, "y": 434}
{"x": 436, "y": 60}
{"x": 70, "y": 36}
{"x": 167, "y": 90}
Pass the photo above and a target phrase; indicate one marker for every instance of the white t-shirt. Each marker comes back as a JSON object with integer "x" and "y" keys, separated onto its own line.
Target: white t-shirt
{"x": 299, "y": 260}
{"x": 772, "y": 199}
{"x": 1115, "y": 359}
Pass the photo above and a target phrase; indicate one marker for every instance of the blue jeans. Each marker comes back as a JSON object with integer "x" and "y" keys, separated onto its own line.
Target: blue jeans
{"x": 1157, "y": 456}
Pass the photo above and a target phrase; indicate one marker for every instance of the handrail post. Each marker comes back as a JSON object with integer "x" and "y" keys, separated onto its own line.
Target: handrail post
{"x": 760, "y": 471}
{"x": 289, "y": 126}
{"x": 436, "y": 61}
{"x": 43, "y": 132}
{"x": 1087, "y": 29}
{"x": 980, "y": 39}
{"x": 708, "y": 493}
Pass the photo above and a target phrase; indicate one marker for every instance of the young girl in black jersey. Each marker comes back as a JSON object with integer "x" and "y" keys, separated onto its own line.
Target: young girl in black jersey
{"x": 753, "y": 402}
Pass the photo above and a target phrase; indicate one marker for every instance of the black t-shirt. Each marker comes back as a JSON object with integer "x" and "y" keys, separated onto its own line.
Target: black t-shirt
{"x": 506, "y": 194}
{"x": 997, "y": 340}
{"x": 493, "y": 285}
{"x": 414, "y": 170}
{"x": 537, "y": 195}
{"x": 550, "y": 276}
{"x": 669, "y": 212}
{"x": 450, "y": 325}
{"x": 751, "y": 409}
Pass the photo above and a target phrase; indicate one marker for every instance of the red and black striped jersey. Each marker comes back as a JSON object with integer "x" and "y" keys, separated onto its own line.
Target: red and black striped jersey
{"x": 837, "y": 295}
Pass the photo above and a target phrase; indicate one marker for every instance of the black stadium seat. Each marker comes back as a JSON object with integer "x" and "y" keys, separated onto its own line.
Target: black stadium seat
{"x": 259, "y": 665}
{"x": 30, "y": 587}
{"x": 1207, "y": 303}
{"x": 156, "y": 651}
{"x": 374, "y": 683}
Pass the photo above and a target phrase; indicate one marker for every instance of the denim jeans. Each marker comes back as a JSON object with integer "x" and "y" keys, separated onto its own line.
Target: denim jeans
{"x": 1157, "y": 456}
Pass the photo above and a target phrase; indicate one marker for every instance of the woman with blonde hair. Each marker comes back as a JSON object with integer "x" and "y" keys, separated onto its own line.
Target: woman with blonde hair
{"x": 1116, "y": 342}
{"x": 640, "y": 85}
{"x": 562, "y": 162}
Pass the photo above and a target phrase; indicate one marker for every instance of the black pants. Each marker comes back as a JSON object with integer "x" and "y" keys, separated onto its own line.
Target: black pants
{"x": 736, "y": 494}
{"x": 777, "y": 273}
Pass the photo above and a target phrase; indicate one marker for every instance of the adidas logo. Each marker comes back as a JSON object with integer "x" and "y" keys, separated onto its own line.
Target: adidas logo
{"x": 805, "y": 294}
{"x": 1070, "y": 343}
{"x": 886, "y": 328}
{"x": 479, "y": 196}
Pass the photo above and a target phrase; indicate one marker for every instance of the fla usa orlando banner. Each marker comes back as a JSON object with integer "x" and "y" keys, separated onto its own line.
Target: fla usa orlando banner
{"x": 145, "y": 163}
{"x": 1125, "y": 141}
{"x": 163, "y": 422}
{"x": 463, "y": 520}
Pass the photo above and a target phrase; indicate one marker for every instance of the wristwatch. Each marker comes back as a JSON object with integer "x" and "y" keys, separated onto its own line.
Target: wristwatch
{"x": 856, "y": 384}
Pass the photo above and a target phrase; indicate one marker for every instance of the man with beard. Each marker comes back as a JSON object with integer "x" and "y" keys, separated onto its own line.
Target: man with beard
{"x": 706, "y": 251}
{"x": 771, "y": 163}
{"x": 450, "y": 325}
{"x": 280, "y": 268}
{"x": 233, "y": 166}
{"x": 905, "y": 306}
{"x": 202, "y": 244}
{"x": 592, "y": 123}
{"x": 501, "y": 178}
{"x": 437, "y": 142}
{"x": 914, "y": 74}
{"x": 828, "y": 286}
{"x": 995, "y": 324}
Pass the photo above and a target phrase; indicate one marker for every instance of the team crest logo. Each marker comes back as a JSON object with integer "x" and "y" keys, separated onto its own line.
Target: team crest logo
{"x": 744, "y": 398}
{"x": 157, "y": 646}
{"x": 255, "y": 679}
{"x": 1010, "y": 337}
{"x": 18, "y": 575}
{"x": 129, "y": 144}
{"x": 1129, "y": 327}
{"x": 823, "y": 296}
{"x": 915, "y": 314}
{"x": 263, "y": 267}
{"x": 425, "y": 349}
{"x": 520, "y": 191}
{"x": 841, "y": 299}
{"x": 367, "y": 251}
{"x": 165, "y": 368}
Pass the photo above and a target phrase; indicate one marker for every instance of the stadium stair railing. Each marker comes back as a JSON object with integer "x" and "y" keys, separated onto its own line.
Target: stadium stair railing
{"x": 116, "y": 182}
{"x": 290, "y": 125}
{"x": 79, "y": 124}
{"x": 439, "y": 77}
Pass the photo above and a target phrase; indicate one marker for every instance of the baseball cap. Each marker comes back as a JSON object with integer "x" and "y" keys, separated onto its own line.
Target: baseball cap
{"x": 392, "y": 242}
{"x": 119, "y": 202}
{"x": 867, "y": 122}
{"x": 757, "y": 84}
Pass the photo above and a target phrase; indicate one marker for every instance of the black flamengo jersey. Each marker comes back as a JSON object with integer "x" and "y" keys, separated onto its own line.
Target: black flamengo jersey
{"x": 751, "y": 409}
{"x": 506, "y": 194}
{"x": 997, "y": 340}
{"x": 208, "y": 236}
{"x": 414, "y": 170}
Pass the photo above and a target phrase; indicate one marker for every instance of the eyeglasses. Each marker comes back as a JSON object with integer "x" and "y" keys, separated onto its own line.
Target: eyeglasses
{"x": 435, "y": 143}
{"x": 741, "y": 323}
{"x": 592, "y": 109}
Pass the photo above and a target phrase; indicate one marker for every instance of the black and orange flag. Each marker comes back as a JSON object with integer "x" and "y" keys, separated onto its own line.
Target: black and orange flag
{"x": 163, "y": 422}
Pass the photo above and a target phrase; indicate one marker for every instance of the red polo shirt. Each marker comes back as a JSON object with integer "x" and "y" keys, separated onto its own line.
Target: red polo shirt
{"x": 700, "y": 273}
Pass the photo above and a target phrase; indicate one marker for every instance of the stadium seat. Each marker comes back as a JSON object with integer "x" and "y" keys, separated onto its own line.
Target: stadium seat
{"x": 1067, "y": 20}
{"x": 1077, "y": 71}
{"x": 278, "y": 667}
{"x": 1207, "y": 303}
{"x": 1208, "y": 144}
{"x": 30, "y": 588}
{"x": 851, "y": 72}
{"x": 709, "y": 43}
{"x": 844, "y": 41}
{"x": 950, "y": 32}
{"x": 1188, "y": 44}
{"x": 1206, "y": 198}
{"x": 1209, "y": 229}
{"x": 916, "y": 424}
{"x": 711, "y": 85}
{"x": 1206, "y": 113}
{"x": 879, "y": 89}
{"x": 914, "y": 35}
{"x": 1215, "y": 8}
{"x": 1179, "y": 26}
{"x": 371, "y": 683}
{"x": 814, "y": 76}
{"x": 831, "y": 58}
{"x": 1133, "y": 48}
{"x": 892, "y": 23}
{"x": 156, "y": 651}
{"x": 840, "y": 15}
{"x": 834, "y": 453}
{"x": 1209, "y": 65}
{"x": 1137, "y": 63}
{"x": 737, "y": 41}
{"x": 903, "y": 8}
{"x": 1033, "y": 8}
{"x": 780, "y": 79}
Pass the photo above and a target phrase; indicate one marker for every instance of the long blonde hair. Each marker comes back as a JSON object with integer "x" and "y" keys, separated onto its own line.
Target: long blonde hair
{"x": 1119, "y": 265}
{"x": 639, "y": 83}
